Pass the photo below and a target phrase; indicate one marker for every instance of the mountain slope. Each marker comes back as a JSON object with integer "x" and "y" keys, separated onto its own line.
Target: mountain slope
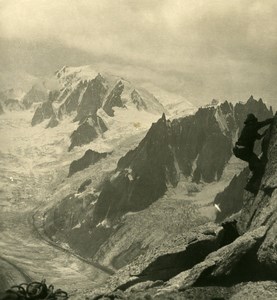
{"x": 81, "y": 93}
{"x": 34, "y": 95}
{"x": 234, "y": 255}
{"x": 171, "y": 152}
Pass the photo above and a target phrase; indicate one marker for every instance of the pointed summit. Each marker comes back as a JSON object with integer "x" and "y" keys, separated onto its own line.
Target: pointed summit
{"x": 251, "y": 98}
{"x": 99, "y": 78}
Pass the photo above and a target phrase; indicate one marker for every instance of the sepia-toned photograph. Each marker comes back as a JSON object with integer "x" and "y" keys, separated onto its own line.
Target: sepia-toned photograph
{"x": 138, "y": 149}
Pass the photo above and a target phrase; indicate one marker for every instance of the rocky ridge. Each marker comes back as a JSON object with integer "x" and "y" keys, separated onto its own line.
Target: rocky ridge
{"x": 90, "y": 157}
{"x": 34, "y": 95}
{"x": 82, "y": 93}
{"x": 17, "y": 100}
{"x": 169, "y": 151}
{"x": 92, "y": 127}
{"x": 241, "y": 252}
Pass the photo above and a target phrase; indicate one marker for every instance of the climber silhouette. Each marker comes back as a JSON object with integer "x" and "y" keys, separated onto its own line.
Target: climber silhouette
{"x": 244, "y": 147}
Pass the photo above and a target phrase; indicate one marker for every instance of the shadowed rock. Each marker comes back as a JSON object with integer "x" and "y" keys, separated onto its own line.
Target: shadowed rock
{"x": 92, "y": 98}
{"x": 92, "y": 127}
{"x": 138, "y": 101}
{"x": 114, "y": 99}
{"x": 53, "y": 122}
{"x": 84, "y": 185}
{"x": 13, "y": 105}
{"x": 140, "y": 178}
{"x": 34, "y": 96}
{"x": 72, "y": 100}
{"x": 261, "y": 210}
{"x": 230, "y": 200}
{"x": 251, "y": 256}
{"x": 43, "y": 112}
{"x": 90, "y": 157}
{"x": 226, "y": 265}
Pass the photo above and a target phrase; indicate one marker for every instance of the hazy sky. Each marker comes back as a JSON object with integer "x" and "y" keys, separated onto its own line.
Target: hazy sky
{"x": 199, "y": 49}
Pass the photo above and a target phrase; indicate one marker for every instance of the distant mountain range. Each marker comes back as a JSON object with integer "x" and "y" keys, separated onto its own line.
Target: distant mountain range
{"x": 83, "y": 95}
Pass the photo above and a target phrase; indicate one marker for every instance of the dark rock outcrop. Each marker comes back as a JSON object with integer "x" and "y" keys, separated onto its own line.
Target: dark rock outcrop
{"x": 261, "y": 210}
{"x": 84, "y": 185}
{"x": 251, "y": 256}
{"x": 92, "y": 99}
{"x": 114, "y": 99}
{"x": 140, "y": 178}
{"x": 197, "y": 146}
{"x": 43, "y": 112}
{"x": 90, "y": 157}
{"x": 138, "y": 101}
{"x": 53, "y": 122}
{"x": 34, "y": 96}
{"x": 92, "y": 127}
{"x": 13, "y": 105}
{"x": 71, "y": 103}
{"x": 204, "y": 142}
{"x": 230, "y": 200}
{"x": 228, "y": 265}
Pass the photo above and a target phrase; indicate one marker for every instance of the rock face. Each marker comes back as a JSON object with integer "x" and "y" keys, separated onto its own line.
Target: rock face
{"x": 206, "y": 138}
{"x": 231, "y": 199}
{"x": 82, "y": 93}
{"x": 256, "y": 107}
{"x": 253, "y": 255}
{"x": 13, "y": 105}
{"x": 90, "y": 157}
{"x": 138, "y": 100}
{"x": 70, "y": 105}
{"x": 10, "y": 100}
{"x": 262, "y": 209}
{"x": 249, "y": 256}
{"x": 1, "y": 109}
{"x": 84, "y": 185}
{"x": 114, "y": 99}
{"x": 197, "y": 147}
{"x": 92, "y": 98}
{"x": 53, "y": 122}
{"x": 43, "y": 112}
{"x": 34, "y": 96}
{"x": 138, "y": 182}
{"x": 92, "y": 127}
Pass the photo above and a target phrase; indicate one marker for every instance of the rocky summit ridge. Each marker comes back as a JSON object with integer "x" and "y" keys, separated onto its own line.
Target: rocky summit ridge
{"x": 82, "y": 95}
{"x": 235, "y": 259}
